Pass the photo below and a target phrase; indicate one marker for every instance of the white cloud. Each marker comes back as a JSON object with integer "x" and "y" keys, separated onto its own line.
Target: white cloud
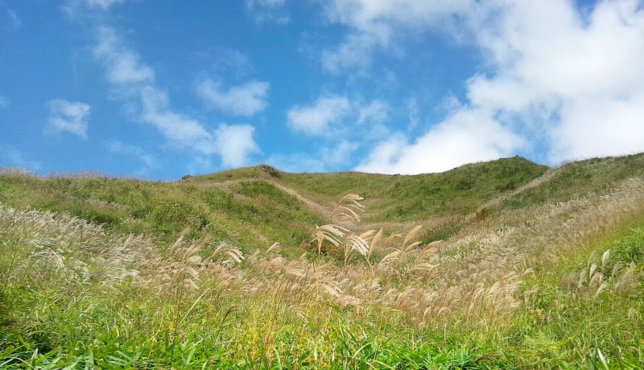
{"x": 331, "y": 116}
{"x": 355, "y": 51}
{"x": 599, "y": 127}
{"x": 235, "y": 144}
{"x": 316, "y": 118}
{"x": 376, "y": 111}
{"x": 273, "y": 11}
{"x": 467, "y": 136}
{"x": 587, "y": 73}
{"x": 572, "y": 81}
{"x": 243, "y": 100}
{"x": 385, "y": 155}
{"x": 73, "y": 8}
{"x": 123, "y": 66}
{"x": 179, "y": 129}
{"x": 134, "y": 82}
{"x": 374, "y": 24}
{"x": 68, "y": 116}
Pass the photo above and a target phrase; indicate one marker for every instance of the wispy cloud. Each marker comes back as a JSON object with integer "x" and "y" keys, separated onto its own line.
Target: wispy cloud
{"x": 315, "y": 119}
{"x": 73, "y": 8}
{"x": 122, "y": 65}
{"x": 183, "y": 131}
{"x": 340, "y": 126}
{"x": 242, "y": 100}
{"x": 4, "y": 102}
{"x": 14, "y": 19}
{"x": 329, "y": 114}
{"x": 272, "y": 11}
{"x": 374, "y": 24}
{"x": 375, "y": 111}
{"x": 68, "y": 116}
{"x": 135, "y": 83}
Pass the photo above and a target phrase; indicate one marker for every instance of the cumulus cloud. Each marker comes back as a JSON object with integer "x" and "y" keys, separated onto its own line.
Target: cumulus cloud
{"x": 558, "y": 76}
{"x": 243, "y": 100}
{"x": 586, "y": 71}
{"x": 135, "y": 83}
{"x": 235, "y": 143}
{"x": 599, "y": 127}
{"x": 316, "y": 118}
{"x": 68, "y": 116}
{"x": 466, "y": 136}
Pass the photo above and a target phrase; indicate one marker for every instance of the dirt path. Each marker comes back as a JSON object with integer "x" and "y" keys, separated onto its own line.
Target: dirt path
{"x": 323, "y": 210}
{"x": 547, "y": 176}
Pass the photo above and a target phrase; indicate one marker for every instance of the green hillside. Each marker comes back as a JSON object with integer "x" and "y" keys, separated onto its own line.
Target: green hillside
{"x": 404, "y": 198}
{"x": 493, "y": 265}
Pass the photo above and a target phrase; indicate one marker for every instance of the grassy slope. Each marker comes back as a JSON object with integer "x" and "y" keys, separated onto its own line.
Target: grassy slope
{"x": 406, "y": 198}
{"x": 278, "y": 312}
{"x": 244, "y": 207}
{"x": 250, "y": 215}
{"x": 573, "y": 179}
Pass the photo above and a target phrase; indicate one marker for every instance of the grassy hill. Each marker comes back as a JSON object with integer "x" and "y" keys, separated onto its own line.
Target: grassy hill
{"x": 501, "y": 264}
{"x": 403, "y": 198}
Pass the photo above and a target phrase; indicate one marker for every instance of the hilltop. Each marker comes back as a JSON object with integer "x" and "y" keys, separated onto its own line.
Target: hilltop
{"x": 518, "y": 260}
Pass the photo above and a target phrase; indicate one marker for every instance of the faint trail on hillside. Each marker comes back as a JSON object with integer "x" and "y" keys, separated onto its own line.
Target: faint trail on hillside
{"x": 324, "y": 211}
{"x": 547, "y": 176}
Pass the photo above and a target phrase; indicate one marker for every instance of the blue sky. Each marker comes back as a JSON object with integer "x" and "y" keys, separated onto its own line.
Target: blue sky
{"x": 158, "y": 89}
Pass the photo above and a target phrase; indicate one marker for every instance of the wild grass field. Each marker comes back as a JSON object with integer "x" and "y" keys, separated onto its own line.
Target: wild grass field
{"x": 496, "y": 265}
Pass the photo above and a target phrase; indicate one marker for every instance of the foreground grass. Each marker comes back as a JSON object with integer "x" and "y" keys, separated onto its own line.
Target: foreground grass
{"x": 568, "y": 322}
